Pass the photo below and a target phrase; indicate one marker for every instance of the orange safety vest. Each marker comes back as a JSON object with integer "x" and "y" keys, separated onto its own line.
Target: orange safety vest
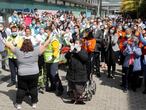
{"x": 121, "y": 40}
{"x": 89, "y": 44}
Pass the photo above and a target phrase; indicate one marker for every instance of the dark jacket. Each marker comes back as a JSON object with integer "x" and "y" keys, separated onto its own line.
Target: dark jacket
{"x": 99, "y": 39}
{"x": 77, "y": 66}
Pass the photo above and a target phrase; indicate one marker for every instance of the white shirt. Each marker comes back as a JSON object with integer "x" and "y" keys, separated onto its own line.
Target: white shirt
{"x": 33, "y": 40}
{"x": 41, "y": 38}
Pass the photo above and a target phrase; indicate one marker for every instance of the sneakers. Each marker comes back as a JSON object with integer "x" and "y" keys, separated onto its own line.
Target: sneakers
{"x": 80, "y": 103}
{"x": 18, "y": 106}
{"x": 11, "y": 84}
{"x": 34, "y": 106}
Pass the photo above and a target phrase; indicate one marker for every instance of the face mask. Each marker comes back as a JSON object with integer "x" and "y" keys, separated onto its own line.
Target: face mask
{"x": 136, "y": 42}
{"x": 129, "y": 24}
{"x": 94, "y": 27}
{"x": 128, "y": 35}
{"x": 41, "y": 32}
{"x": 101, "y": 27}
{"x": 1, "y": 28}
{"x": 14, "y": 34}
{"x": 125, "y": 27}
{"x": 76, "y": 30}
{"x": 33, "y": 22}
{"x": 77, "y": 46}
{"x": 72, "y": 31}
{"x": 120, "y": 28}
{"x": 111, "y": 31}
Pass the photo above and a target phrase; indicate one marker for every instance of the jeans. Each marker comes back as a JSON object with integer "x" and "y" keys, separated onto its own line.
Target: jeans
{"x": 52, "y": 74}
{"x": 13, "y": 69}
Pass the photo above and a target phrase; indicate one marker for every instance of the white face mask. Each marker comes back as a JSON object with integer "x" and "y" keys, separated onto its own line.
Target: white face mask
{"x": 111, "y": 31}
{"x": 94, "y": 27}
{"x": 128, "y": 35}
{"x": 42, "y": 32}
{"x": 14, "y": 34}
{"x": 76, "y": 30}
{"x": 102, "y": 27}
{"x": 76, "y": 46}
{"x": 1, "y": 28}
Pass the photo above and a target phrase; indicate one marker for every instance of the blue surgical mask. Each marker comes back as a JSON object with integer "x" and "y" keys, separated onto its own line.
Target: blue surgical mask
{"x": 14, "y": 34}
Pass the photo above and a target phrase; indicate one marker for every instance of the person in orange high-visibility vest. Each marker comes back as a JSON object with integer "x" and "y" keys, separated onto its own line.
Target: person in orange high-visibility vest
{"x": 89, "y": 44}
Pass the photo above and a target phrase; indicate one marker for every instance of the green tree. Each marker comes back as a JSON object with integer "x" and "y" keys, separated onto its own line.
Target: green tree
{"x": 142, "y": 8}
{"x": 129, "y": 5}
{"x": 132, "y": 7}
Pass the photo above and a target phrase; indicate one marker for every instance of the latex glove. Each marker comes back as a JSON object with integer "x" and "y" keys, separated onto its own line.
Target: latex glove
{"x": 71, "y": 47}
{"x": 77, "y": 48}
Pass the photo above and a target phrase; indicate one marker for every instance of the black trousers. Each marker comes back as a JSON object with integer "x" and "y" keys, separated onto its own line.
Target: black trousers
{"x": 27, "y": 85}
{"x": 96, "y": 63}
{"x": 135, "y": 80}
{"x": 41, "y": 62}
{"x": 3, "y": 62}
{"x": 77, "y": 88}
{"x": 90, "y": 64}
{"x": 126, "y": 78}
{"x": 13, "y": 69}
{"x": 113, "y": 67}
{"x": 103, "y": 55}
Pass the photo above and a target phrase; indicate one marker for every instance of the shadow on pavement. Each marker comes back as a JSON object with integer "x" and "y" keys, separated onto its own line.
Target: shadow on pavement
{"x": 136, "y": 100}
{"x": 12, "y": 96}
{"x": 4, "y": 78}
{"x": 109, "y": 81}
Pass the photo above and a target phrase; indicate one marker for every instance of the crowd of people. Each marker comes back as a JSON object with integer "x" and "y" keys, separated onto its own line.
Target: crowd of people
{"x": 40, "y": 43}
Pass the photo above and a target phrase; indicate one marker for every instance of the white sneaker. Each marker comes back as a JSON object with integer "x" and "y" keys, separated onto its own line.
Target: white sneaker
{"x": 18, "y": 106}
{"x": 34, "y": 106}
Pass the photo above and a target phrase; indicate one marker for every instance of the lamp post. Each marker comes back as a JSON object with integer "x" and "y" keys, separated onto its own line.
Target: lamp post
{"x": 99, "y": 7}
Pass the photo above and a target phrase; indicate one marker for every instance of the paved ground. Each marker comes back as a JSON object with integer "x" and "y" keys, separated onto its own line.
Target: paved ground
{"x": 109, "y": 96}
